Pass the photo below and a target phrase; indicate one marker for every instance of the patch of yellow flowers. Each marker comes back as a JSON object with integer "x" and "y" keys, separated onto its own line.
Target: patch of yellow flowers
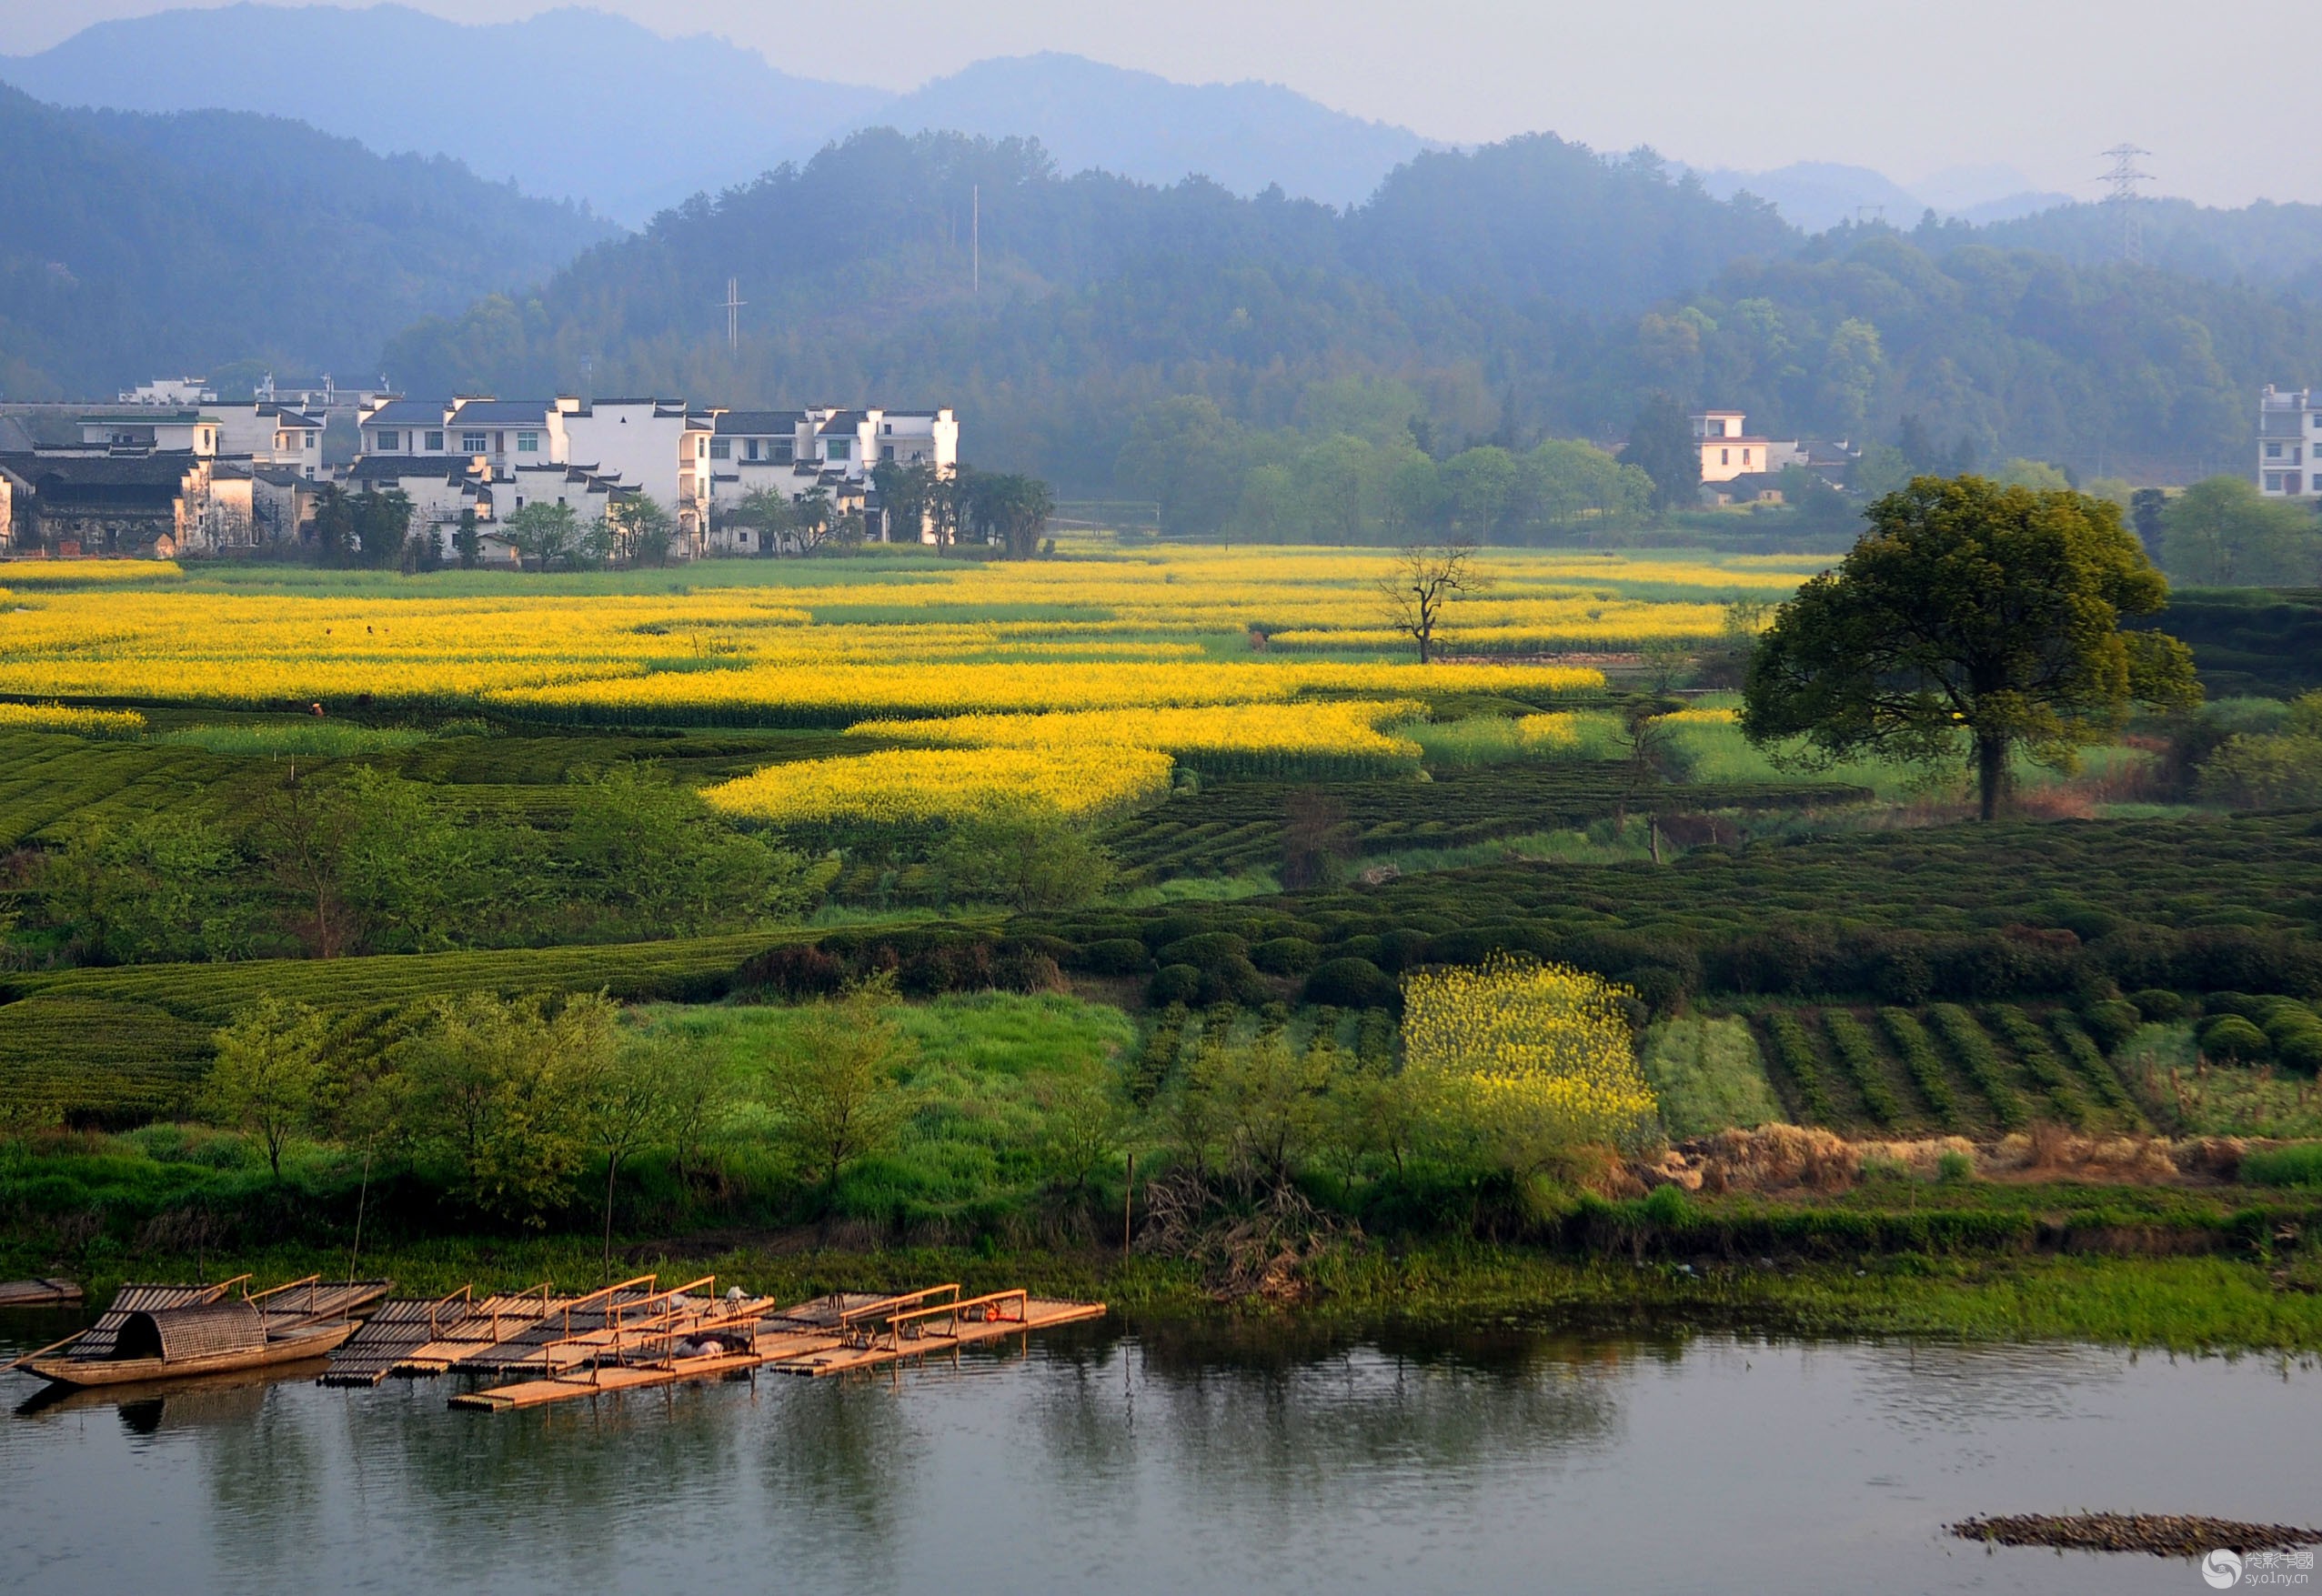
{"x": 69, "y": 718}
{"x": 1532, "y": 1059}
{"x": 901, "y": 787}
{"x": 1333, "y": 727}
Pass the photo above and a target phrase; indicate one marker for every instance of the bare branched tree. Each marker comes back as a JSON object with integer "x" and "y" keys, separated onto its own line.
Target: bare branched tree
{"x": 1426, "y": 578}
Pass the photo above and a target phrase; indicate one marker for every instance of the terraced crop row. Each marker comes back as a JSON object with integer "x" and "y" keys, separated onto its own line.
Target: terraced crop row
{"x": 1231, "y": 826}
{"x": 1946, "y": 1068}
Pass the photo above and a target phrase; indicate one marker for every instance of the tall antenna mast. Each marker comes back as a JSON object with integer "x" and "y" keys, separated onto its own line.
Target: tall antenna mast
{"x": 2126, "y": 202}
{"x": 733, "y": 304}
{"x": 975, "y": 241}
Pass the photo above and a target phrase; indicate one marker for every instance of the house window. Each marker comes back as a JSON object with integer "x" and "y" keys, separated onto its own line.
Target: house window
{"x": 1725, "y": 457}
{"x": 2273, "y": 451}
{"x": 472, "y": 443}
{"x": 888, "y": 428}
{"x": 388, "y": 440}
{"x": 784, "y": 449}
{"x": 528, "y": 443}
{"x": 750, "y": 449}
{"x": 721, "y": 448}
{"x": 887, "y": 451}
{"x": 2291, "y": 481}
{"x": 841, "y": 447}
{"x": 1746, "y": 456}
{"x": 435, "y": 442}
{"x": 2273, "y": 482}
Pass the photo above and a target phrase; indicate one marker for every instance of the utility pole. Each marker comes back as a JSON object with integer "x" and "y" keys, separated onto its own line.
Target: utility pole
{"x": 2125, "y": 201}
{"x": 975, "y": 241}
{"x": 734, "y": 303}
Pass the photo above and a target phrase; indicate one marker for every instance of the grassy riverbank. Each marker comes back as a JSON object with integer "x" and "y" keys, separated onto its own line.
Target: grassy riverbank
{"x": 2212, "y": 1304}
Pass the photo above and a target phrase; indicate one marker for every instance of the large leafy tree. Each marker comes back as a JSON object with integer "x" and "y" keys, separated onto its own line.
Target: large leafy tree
{"x": 1970, "y": 610}
{"x": 1661, "y": 444}
{"x": 2223, "y": 533}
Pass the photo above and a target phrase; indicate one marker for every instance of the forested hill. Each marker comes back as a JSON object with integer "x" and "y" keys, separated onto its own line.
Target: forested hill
{"x": 1525, "y": 289}
{"x": 133, "y": 245}
{"x": 1098, "y": 295}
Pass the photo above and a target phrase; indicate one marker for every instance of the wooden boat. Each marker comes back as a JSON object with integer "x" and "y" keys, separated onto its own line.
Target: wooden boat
{"x": 39, "y": 1293}
{"x": 167, "y": 1332}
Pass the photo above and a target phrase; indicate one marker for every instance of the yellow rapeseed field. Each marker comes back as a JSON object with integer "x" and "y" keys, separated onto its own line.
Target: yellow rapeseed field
{"x": 918, "y": 785}
{"x": 69, "y": 718}
{"x": 1533, "y": 1059}
{"x": 1273, "y": 653}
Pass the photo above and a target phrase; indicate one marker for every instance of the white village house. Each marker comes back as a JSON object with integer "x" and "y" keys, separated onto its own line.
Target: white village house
{"x": 493, "y": 457}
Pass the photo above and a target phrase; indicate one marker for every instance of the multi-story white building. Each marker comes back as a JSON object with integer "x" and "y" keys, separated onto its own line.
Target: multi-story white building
{"x": 1729, "y": 449}
{"x": 2289, "y": 440}
{"x": 271, "y": 434}
{"x": 794, "y": 452}
{"x": 659, "y": 447}
{"x": 698, "y": 464}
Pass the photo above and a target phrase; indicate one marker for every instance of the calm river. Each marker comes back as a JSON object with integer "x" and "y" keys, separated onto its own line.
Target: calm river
{"x": 1173, "y": 1462}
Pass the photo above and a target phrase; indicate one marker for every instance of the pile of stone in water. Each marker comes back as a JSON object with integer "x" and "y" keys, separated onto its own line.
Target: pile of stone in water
{"x": 2162, "y": 1534}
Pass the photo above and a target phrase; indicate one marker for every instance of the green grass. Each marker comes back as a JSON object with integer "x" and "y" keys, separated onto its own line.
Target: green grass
{"x": 325, "y": 739}
{"x": 1708, "y": 1075}
{"x": 989, "y": 1069}
{"x": 2179, "y": 1089}
{"x": 2283, "y": 1166}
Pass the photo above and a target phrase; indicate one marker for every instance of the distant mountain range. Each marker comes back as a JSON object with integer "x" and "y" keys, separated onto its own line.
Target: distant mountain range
{"x": 1818, "y": 195}
{"x": 570, "y": 104}
{"x": 668, "y": 118}
{"x": 580, "y": 104}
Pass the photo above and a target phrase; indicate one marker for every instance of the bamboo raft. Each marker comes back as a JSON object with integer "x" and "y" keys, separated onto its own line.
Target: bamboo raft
{"x": 165, "y": 1332}
{"x": 636, "y": 1336}
{"x": 47, "y": 1293}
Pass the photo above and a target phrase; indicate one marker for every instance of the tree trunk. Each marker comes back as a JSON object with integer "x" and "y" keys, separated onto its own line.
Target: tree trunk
{"x": 612, "y": 1170}
{"x": 1991, "y": 772}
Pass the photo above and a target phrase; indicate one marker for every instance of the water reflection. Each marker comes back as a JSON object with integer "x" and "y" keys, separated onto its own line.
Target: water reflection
{"x": 1171, "y": 1459}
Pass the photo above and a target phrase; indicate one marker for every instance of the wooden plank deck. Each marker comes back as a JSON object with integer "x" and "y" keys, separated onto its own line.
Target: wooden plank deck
{"x": 839, "y": 1334}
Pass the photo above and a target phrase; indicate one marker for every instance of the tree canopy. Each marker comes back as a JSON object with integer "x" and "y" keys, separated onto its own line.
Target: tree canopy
{"x": 1969, "y": 612}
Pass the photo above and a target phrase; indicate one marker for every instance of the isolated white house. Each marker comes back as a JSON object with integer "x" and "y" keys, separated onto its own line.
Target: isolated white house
{"x": 2289, "y": 438}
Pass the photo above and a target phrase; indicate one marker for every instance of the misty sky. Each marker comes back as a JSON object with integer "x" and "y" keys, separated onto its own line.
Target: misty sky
{"x": 1911, "y": 89}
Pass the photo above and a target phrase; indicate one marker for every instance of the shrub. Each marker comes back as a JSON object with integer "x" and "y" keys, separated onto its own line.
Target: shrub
{"x": 1901, "y": 974}
{"x": 1917, "y": 1048}
{"x": 2090, "y": 1059}
{"x": 1234, "y": 979}
{"x": 2284, "y": 1166}
{"x": 2158, "y": 1004}
{"x": 1114, "y": 956}
{"x": 1174, "y": 983}
{"x": 2114, "y": 1023}
{"x": 1859, "y": 1053}
{"x": 1207, "y": 950}
{"x": 1955, "y": 1167}
{"x": 1286, "y": 956}
{"x": 1351, "y": 983}
{"x": 794, "y": 970}
{"x": 2231, "y": 1039}
{"x": 1797, "y": 1051}
{"x": 1973, "y": 1048}
{"x": 2294, "y": 1032}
